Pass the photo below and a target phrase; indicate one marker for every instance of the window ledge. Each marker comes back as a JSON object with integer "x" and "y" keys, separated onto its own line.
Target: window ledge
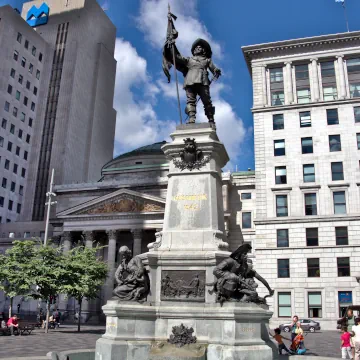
{"x": 281, "y": 188}
{"x": 339, "y": 185}
{"x": 306, "y": 187}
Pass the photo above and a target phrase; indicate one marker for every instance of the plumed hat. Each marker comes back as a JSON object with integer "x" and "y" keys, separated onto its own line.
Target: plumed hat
{"x": 242, "y": 249}
{"x": 204, "y": 44}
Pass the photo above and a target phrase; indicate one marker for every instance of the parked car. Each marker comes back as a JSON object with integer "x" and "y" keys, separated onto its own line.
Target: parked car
{"x": 306, "y": 325}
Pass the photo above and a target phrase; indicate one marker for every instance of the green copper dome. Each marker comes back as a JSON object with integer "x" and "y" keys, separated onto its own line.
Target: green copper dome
{"x": 144, "y": 150}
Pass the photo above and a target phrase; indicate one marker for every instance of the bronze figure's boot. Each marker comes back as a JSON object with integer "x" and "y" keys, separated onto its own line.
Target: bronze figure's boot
{"x": 210, "y": 112}
{"x": 190, "y": 110}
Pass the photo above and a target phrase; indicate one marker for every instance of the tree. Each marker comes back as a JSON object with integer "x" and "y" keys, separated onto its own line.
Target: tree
{"x": 16, "y": 270}
{"x": 49, "y": 274}
{"x": 85, "y": 274}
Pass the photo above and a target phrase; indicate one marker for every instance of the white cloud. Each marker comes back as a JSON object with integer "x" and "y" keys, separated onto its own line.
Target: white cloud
{"x": 137, "y": 123}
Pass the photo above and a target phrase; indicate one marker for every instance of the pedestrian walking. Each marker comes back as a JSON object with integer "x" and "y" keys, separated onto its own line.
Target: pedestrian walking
{"x": 345, "y": 343}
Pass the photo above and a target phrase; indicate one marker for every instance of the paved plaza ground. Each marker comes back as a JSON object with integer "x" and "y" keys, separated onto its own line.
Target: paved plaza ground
{"x": 325, "y": 343}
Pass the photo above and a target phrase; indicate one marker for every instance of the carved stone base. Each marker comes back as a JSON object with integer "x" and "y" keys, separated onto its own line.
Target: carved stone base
{"x": 234, "y": 331}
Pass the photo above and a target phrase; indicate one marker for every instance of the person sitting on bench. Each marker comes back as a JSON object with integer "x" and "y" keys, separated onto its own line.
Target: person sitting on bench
{"x": 13, "y": 323}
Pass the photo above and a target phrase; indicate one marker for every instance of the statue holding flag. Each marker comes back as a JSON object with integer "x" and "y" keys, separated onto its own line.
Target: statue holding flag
{"x": 194, "y": 69}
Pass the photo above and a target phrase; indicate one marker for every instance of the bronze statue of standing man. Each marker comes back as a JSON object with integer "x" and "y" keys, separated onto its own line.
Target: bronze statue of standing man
{"x": 195, "y": 70}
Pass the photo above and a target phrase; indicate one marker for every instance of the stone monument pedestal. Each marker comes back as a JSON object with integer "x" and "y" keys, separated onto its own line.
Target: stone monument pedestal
{"x": 180, "y": 265}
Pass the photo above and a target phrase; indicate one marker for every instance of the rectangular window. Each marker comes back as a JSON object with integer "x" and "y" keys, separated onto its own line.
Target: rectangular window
{"x": 15, "y": 111}
{"x": 26, "y": 100}
{"x": 28, "y": 138}
{"x": 21, "y": 190}
{"x": 15, "y": 168}
{"x": 26, "y": 44}
{"x": 345, "y": 300}
{"x": 20, "y": 133}
{"x": 30, "y": 122}
{"x": 28, "y": 85}
{"x": 40, "y": 57}
{"x": 35, "y": 90}
{"x": 17, "y": 152}
{"x": 334, "y": 143}
{"x": 278, "y": 122}
{"x": 327, "y": 69}
{"x": 19, "y": 37}
{"x": 332, "y": 116}
{"x": 18, "y": 208}
{"x": 245, "y": 196}
{"x": 279, "y": 147}
{"x": 343, "y": 265}
{"x": 32, "y": 106}
{"x": 313, "y": 267}
{"x": 31, "y": 68}
{"x": 4, "y": 123}
{"x": 284, "y": 304}
{"x": 301, "y": 72}
{"x": 337, "y": 171}
{"x": 283, "y": 268}
{"x": 281, "y": 205}
{"x": 303, "y": 96}
{"x": 276, "y": 75}
{"x": 23, "y": 62}
{"x": 309, "y": 172}
{"x": 358, "y": 141}
{"x": 9, "y": 89}
{"x": 282, "y": 236}
{"x": 23, "y": 172}
{"x": 307, "y": 145}
{"x": 1, "y": 141}
{"x": 353, "y": 65}
{"x": 277, "y": 98}
{"x": 7, "y": 106}
{"x": 305, "y": 119}
{"x": 12, "y": 73}
{"x": 280, "y": 175}
{"x": 16, "y": 55}
{"x": 357, "y": 113}
{"x": 355, "y": 90}
{"x": 330, "y": 93}
{"x": 341, "y": 233}
{"x": 246, "y": 220}
{"x": 4, "y": 183}
{"x": 21, "y": 78}
{"x": 22, "y": 117}
{"x": 315, "y": 304}
{"x": 38, "y": 74}
{"x": 339, "y": 202}
{"x": 26, "y": 234}
{"x": 7, "y": 164}
{"x": 1, "y": 201}
{"x": 9, "y": 146}
{"x": 33, "y": 51}
{"x": 10, "y": 205}
{"x": 310, "y": 204}
{"x": 12, "y": 187}
{"x": 312, "y": 237}
{"x": 18, "y": 94}
{"x": 25, "y": 155}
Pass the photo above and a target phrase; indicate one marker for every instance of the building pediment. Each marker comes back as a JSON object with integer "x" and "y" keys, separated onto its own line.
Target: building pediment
{"x": 120, "y": 201}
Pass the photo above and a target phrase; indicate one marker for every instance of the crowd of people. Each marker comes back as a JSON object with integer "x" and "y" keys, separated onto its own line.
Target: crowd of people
{"x": 350, "y": 337}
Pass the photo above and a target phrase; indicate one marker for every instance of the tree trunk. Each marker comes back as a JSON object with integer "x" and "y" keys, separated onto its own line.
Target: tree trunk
{"x": 79, "y": 318}
{"x": 47, "y": 317}
{"x": 10, "y": 307}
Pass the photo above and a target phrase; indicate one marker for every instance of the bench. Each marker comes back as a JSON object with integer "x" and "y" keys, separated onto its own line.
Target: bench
{"x": 26, "y": 329}
{"x": 4, "y": 331}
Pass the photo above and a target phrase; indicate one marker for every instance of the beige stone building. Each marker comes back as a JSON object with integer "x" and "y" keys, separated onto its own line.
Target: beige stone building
{"x": 307, "y": 138}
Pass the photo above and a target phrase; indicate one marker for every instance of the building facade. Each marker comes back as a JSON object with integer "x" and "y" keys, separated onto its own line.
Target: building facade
{"x": 307, "y": 138}
{"x": 22, "y": 83}
{"x": 56, "y": 90}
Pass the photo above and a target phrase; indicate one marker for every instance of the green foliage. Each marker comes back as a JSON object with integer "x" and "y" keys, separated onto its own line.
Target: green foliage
{"x": 85, "y": 273}
{"x": 16, "y": 269}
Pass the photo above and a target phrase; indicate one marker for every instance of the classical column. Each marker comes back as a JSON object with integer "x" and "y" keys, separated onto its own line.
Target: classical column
{"x": 341, "y": 76}
{"x": 66, "y": 241}
{"x": 264, "y": 85}
{"x": 137, "y": 237}
{"x": 315, "y": 79}
{"x": 289, "y": 87}
{"x": 225, "y": 192}
{"x": 109, "y": 284}
{"x": 89, "y": 238}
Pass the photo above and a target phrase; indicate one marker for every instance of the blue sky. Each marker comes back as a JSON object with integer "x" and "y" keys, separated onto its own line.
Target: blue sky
{"x": 146, "y": 104}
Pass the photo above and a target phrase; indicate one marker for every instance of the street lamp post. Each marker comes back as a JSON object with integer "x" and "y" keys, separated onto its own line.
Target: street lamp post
{"x": 49, "y": 195}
